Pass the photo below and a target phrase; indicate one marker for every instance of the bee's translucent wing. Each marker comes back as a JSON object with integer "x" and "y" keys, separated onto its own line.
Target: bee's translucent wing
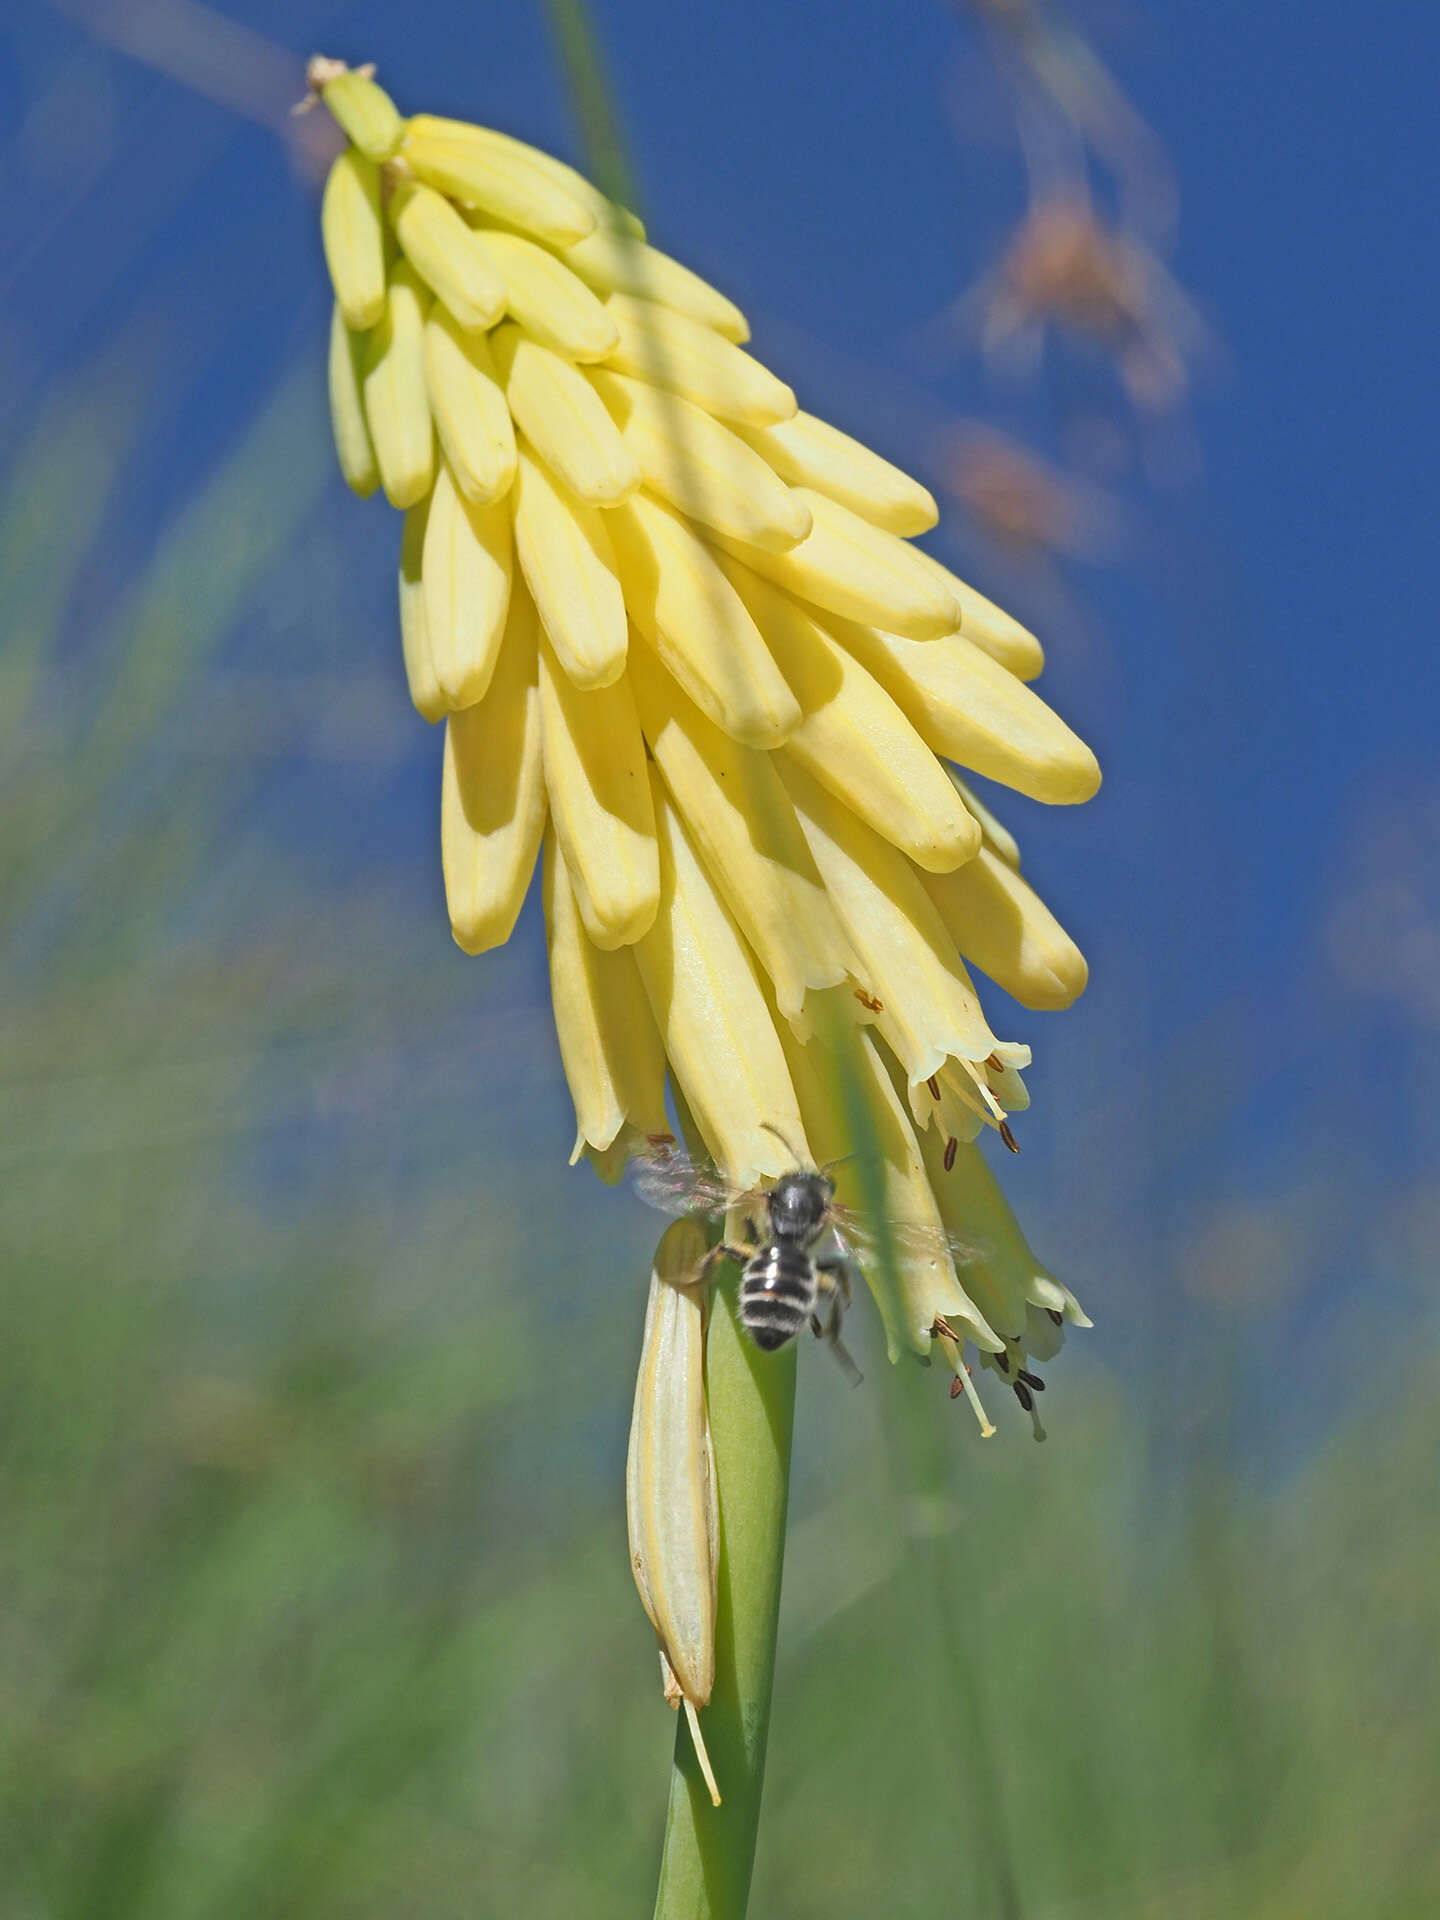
{"x": 905, "y": 1237}
{"x": 673, "y": 1183}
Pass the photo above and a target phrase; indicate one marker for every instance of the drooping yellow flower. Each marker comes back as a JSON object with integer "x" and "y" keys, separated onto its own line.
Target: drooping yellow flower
{"x": 679, "y": 634}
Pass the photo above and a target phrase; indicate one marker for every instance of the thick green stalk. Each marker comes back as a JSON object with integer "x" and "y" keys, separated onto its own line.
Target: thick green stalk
{"x": 710, "y": 1851}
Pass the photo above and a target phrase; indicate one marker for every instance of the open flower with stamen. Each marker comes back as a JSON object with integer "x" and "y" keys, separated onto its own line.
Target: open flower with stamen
{"x": 691, "y": 663}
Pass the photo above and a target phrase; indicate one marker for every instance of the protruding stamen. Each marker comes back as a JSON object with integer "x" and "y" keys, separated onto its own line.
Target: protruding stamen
{"x": 1056, "y": 1315}
{"x": 951, "y": 1146}
{"x": 934, "y": 1085}
{"x": 1002, "y": 1360}
{"x": 700, "y": 1754}
{"x": 1008, "y": 1137}
{"x": 950, "y": 1346}
{"x": 1024, "y": 1396}
{"x": 1032, "y": 1380}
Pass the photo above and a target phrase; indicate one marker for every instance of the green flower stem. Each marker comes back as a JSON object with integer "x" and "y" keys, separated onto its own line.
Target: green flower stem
{"x": 710, "y": 1851}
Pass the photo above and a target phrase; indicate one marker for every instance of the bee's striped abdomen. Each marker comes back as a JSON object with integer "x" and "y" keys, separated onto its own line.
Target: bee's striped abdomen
{"x": 777, "y": 1294}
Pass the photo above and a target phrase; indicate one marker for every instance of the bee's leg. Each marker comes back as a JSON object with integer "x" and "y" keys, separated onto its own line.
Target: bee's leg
{"x": 722, "y": 1250}
{"x": 833, "y": 1274}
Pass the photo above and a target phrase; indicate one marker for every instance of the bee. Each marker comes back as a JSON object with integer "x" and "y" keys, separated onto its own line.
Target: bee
{"x": 797, "y": 1265}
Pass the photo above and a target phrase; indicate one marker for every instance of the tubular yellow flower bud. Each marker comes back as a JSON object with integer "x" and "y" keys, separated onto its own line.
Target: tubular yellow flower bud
{"x": 930, "y": 1009}
{"x": 967, "y": 706}
{"x": 740, "y": 820}
{"x": 671, "y": 350}
{"x": 397, "y": 405}
{"x": 709, "y": 1008}
{"x": 810, "y": 453}
{"x": 853, "y": 738}
{"x": 425, "y": 689}
{"x": 600, "y": 799}
{"x": 552, "y": 304}
{"x": 858, "y": 571}
{"x": 347, "y": 409}
{"x": 614, "y": 1063}
{"x": 669, "y": 1471}
{"x": 565, "y": 554}
{"x": 471, "y": 416}
{"x": 564, "y": 419}
{"x": 365, "y": 111}
{"x": 1029, "y": 1306}
{"x": 448, "y": 256}
{"x": 684, "y": 606}
{"x": 493, "y": 794}
{"x": 353, "y": 239}
{"x": 614, "y": 263}
{"x": 575, "y": 185}
{"x": 701, "y": 467}
{"x": 992, "y": 630}
{"x": 1001, "y": 924}
{"x": 500, "y": 180}
{"x": 467, "y": 570}
{"x": 999, "y": 839}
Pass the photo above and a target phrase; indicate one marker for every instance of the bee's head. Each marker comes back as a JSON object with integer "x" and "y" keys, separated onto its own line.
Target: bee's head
{"x": 798, "y": 1204}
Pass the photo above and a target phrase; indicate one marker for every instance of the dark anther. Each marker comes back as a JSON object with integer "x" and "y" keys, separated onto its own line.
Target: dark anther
{"x": 1008, "y": 1137}
{"x": 957, "y": 1387}
{"x": 1030, "y": 1379}
{"x": 1002, "y": 1360}
{"x": 868, "y": 1001}
{"x": 995, "y": 1063}
{"x": 1022, "y": 1394}
{"x": 950, "y": 1146}
{"x": 934, "y": 1085}
{"x": 1058, "y": 1318}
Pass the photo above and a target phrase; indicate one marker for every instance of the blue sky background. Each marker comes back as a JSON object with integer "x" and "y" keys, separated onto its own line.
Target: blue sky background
{"x": 1255, "y": 666}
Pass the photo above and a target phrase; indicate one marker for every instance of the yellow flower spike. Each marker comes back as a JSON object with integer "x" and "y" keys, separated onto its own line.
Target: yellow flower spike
{"x": 467, "y": 571}
{"x": 492, "y": 810}
{"x": 925, "y": 1275}
{"x": 552, "y": 304}
{"x": 684, "y": 356}
{"x": 860, "y": 572}
{"x": 612, "y": 262}
{"x": 500, "y": 179}
{"x": 990, "y": 627}
{"x": 740, "y": 820}
{"x": 614, "y": 1062}
{"x": 353, "y": 238}
{"x": 607, "y": 215}
{"x": 1003, "y": 927}
{"x": 564, "y": 419}
{"x": 353, "y": 447}
{"x": 700, "y": 466}
{"x": 968, "y": 707}
{"x": 670, "y": 1501}
{"x": 468, "y": 403}
{"x": 854, "y": 739}
{"x": 364, "y": 111}
{"x": 998, "y": 838}
{"x": 929, "y": 1008}
{"x": 811, "y": 453}
{"x": 600, "y": 800}
{"x": 397, "y": 404}
{"x": 447, "y": 256}
{"x": 683, "y": 605}
{"x": 718, "y": 1032}
{"x": 425, "y": 690}
{"x": 569, "y": 565}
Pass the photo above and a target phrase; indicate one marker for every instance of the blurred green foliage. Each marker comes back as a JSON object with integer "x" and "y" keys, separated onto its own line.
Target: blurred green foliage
{"x": 314, "y": 1369}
